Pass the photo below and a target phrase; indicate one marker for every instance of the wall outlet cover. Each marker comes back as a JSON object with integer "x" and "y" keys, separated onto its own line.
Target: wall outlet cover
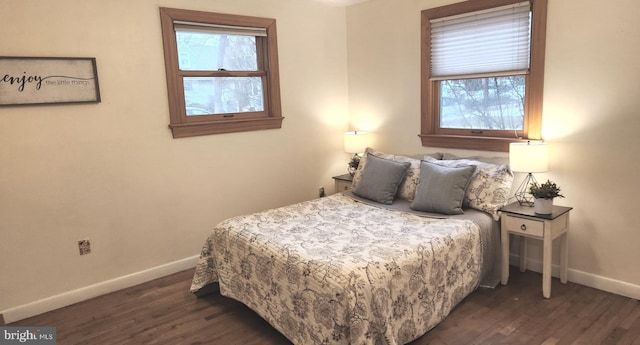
{"x": 84, "y": 246}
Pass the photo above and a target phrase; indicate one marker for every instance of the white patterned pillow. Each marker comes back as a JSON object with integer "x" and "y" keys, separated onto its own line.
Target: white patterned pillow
{"x": 407, "y": 189}
{"x": 408, "y": 186}
{"x": 489, "y": 187}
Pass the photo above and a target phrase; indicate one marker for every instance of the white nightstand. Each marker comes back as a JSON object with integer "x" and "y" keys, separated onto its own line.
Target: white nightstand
{"x": 524, "y": 222}
{"x": 343, "y": 182}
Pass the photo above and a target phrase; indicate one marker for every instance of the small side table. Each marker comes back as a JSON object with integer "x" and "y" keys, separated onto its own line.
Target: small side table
{"x": 343, "y": 182}
{"x": 524, "y": 222}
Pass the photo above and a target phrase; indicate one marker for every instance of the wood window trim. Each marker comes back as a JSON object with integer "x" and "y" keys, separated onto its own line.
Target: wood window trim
{"x": 182, "y": 125}
{"x": 485, "y": 141}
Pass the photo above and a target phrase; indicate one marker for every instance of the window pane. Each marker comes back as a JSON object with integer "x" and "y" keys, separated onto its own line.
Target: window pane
{"x": 223, "y": 95}
{"x": 494, "y": 103}
{"x": 210, "y": 52}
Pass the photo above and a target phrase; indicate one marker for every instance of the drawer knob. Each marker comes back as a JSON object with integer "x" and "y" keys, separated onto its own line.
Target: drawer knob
{"x": 523, "y": 227}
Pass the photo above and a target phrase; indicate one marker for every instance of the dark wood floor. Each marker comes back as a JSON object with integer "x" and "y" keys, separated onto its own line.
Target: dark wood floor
{"x": 164, "y": 312}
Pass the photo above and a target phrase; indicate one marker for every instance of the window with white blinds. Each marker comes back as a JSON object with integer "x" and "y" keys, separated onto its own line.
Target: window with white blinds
{"x": 494, "y": 41}
{"x": 482, "y": 73}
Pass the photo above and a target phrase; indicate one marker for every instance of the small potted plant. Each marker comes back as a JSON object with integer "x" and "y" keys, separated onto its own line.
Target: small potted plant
{"x": 543, "y": 195}
{"x": 353, "y": 165}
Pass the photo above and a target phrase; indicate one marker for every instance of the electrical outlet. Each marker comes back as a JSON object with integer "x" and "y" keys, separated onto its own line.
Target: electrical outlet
{"x": 84, "y": 246}
{"x": 321, "y": 192}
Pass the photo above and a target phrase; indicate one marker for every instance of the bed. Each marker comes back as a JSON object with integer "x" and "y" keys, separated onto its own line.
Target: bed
{"x": 352, "y": 268}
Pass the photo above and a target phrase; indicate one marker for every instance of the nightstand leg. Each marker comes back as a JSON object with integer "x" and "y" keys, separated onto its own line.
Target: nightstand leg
{"x": 523, "y": 253}
{"x": 546, "y": 265}
{"x": 564, "y": 257}
{"x": 504, "y": 237}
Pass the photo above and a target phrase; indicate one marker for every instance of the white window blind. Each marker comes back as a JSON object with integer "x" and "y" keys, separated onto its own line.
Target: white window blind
{"x": 219, "y": 29}
{"x": 492, "y": 42}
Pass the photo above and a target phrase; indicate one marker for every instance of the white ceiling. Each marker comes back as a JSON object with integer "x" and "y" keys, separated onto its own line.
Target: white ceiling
{"x": 340, "y": 2}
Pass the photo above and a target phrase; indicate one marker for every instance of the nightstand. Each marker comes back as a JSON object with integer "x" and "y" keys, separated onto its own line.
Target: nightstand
{"x": 524, "y": 222}
{"x": 343, "y": 182}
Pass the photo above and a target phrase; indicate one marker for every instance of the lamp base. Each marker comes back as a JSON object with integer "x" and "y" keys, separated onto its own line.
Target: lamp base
{"x": 522, "y": 193}
{"x": 353, "y": 164}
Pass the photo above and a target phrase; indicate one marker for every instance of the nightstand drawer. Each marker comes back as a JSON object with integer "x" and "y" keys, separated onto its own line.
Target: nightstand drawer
{"x": 343, "y": 182}
{"x": 524, "y": 226}
{"x": 342, "y": 186}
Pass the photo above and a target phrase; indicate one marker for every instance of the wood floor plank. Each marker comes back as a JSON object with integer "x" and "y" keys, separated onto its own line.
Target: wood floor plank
{"x": 632, "y": 326}
{"x": 606, "y": 328}
{"x": 164, "y": 312}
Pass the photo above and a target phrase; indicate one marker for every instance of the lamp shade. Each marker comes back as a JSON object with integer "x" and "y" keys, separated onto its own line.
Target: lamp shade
{"x": 355, "y": 142}
{"x": 528, "y": 157}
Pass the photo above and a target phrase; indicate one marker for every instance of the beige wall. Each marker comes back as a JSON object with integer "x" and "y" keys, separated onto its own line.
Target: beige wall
{"x": 590, "y": 119}
{"x": 112, "y": 172}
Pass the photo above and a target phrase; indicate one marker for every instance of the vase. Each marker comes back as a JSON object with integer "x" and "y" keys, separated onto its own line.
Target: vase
{"x": 543, "y": 206}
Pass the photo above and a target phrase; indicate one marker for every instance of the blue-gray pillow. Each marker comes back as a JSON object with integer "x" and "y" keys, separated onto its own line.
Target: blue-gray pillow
{"x": 441, "y": 189}
{"x": 380, "y": 179}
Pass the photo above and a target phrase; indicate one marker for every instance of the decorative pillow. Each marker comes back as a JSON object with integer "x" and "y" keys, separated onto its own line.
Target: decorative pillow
{"x": 436, "y": 155}
{"x": 407, "y": 188}
{"x": 363, "y": 163}
{"x": 489, "y": 187}
{"x": 442, "y": 189}
{"x": 380, "y": 179}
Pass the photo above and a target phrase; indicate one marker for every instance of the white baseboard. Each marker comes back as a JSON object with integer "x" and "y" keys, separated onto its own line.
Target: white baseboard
{"x": 82, "y": 294}
{"x": 583, "y": 278}
{"x": 99, "y": 289}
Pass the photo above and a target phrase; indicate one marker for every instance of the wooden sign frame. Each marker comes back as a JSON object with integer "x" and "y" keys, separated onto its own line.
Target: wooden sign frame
{"x": 48, "y": 80}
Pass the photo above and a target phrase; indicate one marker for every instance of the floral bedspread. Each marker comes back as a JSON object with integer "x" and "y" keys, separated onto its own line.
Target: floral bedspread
{"x": 337, "y": 271}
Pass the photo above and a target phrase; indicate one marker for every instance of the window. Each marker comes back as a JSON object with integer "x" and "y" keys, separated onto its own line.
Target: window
{"x": 222, "y": 72}
{"x": 482, "y": 73}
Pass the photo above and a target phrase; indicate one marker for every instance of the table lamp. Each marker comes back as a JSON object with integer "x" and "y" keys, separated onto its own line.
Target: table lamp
{"x": 355, "y": 142}
{"x": 529, "y": 157}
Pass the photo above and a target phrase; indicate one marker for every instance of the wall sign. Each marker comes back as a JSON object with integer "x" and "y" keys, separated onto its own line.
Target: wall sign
{"x": 43, "y": 80}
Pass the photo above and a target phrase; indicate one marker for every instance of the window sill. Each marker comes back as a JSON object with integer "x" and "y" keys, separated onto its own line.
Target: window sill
{"x": 468, "y": 142}
{"x": 226, "y": 126}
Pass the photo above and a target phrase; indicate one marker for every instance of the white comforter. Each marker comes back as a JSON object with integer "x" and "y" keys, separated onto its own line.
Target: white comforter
{"x": 337, "y": 271}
